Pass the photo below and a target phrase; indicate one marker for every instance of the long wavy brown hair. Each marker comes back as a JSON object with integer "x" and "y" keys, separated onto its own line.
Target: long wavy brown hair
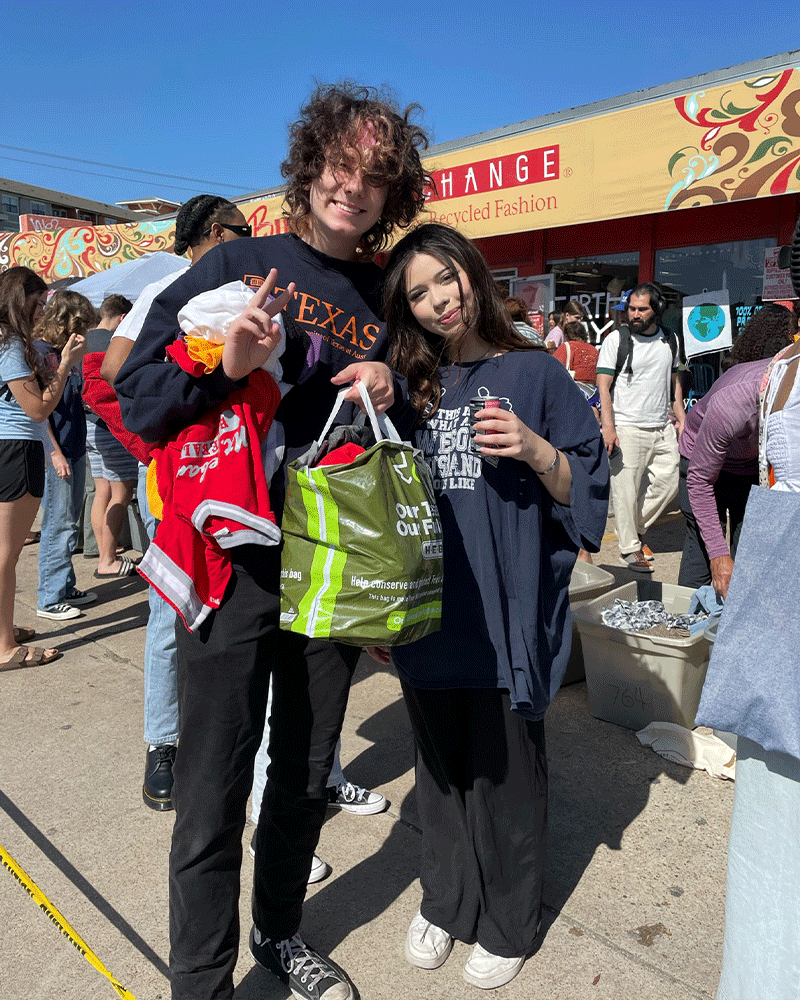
{"x": 331, "y": 131}
{"x": 18, "y": 285}
{"x": 416, "y": 353}
{"x": 66, "y": 313}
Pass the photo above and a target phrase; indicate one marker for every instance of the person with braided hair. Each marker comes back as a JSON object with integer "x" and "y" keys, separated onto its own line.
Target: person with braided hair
{"x": 202, "y": 223}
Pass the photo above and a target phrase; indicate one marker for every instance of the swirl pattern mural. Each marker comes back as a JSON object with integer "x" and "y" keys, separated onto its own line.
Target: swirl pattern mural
{"x": 750, "y": 145}
{"x": 84, "y": 250}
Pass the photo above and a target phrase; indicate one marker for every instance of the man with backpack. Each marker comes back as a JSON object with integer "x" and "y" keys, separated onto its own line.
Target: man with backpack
{"x": 637, "y": 382}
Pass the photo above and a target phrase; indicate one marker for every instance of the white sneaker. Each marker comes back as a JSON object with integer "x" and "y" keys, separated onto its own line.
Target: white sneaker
{"x": 356, "y": 799}
{"x": 427, "y": 946}
{"x": 488, "y": 971}
{"x": 319, "y": 869}
{"x": 58, "y": 612}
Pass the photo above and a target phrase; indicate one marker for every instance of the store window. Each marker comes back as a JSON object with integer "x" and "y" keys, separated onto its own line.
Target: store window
{"x": 736, "y": 267}
{"x": 598, "y": 283}
{"x": 502, "y": 277}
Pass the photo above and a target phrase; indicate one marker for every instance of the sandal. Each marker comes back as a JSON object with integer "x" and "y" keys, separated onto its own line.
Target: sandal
{"x": 29, "y": 656}
{"x": 23, "y": 634}
{"x": 126, "y": 567}
{"x": 32, "y": 538}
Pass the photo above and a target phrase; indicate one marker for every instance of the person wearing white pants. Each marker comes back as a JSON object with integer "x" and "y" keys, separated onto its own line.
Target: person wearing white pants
{"x": 644, "y": 479}
{"x": 637, "y": 393}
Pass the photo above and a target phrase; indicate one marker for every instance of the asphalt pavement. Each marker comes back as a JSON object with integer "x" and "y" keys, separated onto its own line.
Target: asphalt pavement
{"x": 635, "y": 884}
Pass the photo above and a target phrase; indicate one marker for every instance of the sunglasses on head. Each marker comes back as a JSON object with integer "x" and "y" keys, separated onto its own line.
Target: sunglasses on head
{"x": 245, "y": 230}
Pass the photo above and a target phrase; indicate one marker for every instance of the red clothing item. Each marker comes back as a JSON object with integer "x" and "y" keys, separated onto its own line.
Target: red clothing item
{"x": 211, "y": 479}
{"x": 582, "y": 361}
{"x": 102, "y": 399}
{"x": 343, "y": 455}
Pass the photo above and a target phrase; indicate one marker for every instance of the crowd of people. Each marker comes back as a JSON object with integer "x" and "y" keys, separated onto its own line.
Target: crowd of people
{"x": 234, "y": 705}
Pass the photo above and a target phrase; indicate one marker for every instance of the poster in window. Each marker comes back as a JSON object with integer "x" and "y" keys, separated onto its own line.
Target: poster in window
{"x": 707, "y": 323}
{"x": 538, "y": 292}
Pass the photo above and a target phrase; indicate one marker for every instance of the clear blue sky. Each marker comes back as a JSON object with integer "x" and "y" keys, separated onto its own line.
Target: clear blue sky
{"x": 206, "y": 90}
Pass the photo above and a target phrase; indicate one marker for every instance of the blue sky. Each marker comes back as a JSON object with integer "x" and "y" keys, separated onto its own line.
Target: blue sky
{"x": 206, "y": 91}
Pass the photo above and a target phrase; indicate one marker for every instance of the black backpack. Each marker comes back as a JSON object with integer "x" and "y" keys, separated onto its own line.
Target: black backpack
{"x": 625, "y": 350}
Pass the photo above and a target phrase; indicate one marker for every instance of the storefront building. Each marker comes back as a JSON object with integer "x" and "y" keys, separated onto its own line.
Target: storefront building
{"x": 693, "y": 184}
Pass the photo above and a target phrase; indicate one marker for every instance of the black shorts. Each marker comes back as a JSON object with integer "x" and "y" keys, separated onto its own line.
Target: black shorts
{"x": 21, "y": 469}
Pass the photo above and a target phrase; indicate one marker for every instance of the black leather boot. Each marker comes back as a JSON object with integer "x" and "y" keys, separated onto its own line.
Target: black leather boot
{"x": 157, "y": 787}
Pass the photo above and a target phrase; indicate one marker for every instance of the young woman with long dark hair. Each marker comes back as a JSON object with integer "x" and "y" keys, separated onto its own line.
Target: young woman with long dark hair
{"x": 519, "y": 492}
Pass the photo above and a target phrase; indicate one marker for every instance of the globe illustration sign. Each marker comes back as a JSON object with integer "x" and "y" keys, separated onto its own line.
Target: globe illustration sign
{"x": 706, "y": 322}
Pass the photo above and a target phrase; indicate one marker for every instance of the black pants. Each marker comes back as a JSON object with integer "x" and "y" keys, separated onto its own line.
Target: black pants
{"x": 223, "y": 678}
{"x": 731, "y": 493}
{"x": 482, "y": 797}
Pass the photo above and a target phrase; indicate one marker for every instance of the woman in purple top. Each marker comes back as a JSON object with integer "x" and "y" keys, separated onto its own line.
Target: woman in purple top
{"x": 719, "y": 453}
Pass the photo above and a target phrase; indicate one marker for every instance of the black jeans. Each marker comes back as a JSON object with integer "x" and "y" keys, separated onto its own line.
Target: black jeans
{"x": 731, "y": 493}
{"x": 223, "y": 678}
{"x": 481, "y": 783}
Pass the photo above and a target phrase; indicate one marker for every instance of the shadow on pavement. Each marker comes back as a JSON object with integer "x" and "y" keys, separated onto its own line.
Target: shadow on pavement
{"x": 81, "y": 883}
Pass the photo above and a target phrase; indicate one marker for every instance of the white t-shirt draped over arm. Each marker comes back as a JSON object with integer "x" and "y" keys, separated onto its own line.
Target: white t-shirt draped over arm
{"x": 131, "y": 326}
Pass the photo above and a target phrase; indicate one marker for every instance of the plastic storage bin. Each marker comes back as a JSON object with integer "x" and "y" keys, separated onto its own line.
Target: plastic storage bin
{"x": 634, "y": 679}
{"x": 586, "y": 583}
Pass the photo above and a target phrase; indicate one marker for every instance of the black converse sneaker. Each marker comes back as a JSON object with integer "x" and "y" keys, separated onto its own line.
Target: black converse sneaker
{"x": 308, "y": 975}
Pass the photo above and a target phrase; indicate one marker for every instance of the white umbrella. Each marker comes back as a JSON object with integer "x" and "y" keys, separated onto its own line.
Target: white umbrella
{"x": 130, "y": 278}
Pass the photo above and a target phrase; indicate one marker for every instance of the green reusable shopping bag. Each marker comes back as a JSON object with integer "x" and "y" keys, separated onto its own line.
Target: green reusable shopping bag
{"x": 362, "y": 544}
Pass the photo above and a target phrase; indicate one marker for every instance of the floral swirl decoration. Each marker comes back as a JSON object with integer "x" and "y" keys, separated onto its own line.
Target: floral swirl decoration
{"x": 84, "y": 250}
{"x": 742, "y": 165}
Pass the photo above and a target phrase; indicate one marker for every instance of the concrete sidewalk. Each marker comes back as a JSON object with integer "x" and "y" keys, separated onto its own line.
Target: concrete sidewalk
{"x": 635, "y": 881}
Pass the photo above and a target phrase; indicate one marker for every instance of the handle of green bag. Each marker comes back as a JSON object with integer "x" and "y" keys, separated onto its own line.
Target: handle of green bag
{"x": 382, "y": 426}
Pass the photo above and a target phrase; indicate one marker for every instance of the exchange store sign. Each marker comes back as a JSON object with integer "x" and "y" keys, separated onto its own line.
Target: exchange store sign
{"x": 528, "y": 167}
{"x": 492, "y": 177}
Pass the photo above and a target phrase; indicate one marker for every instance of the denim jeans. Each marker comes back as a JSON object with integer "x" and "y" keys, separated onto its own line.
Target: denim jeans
{"x": 61, "y": 510}
{"x": 160, "y": 651}
{"x": 761, "y": 957}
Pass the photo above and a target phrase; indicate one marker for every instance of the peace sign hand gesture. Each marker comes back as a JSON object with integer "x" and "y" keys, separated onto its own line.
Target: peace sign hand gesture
{"x": 254, "y": 335}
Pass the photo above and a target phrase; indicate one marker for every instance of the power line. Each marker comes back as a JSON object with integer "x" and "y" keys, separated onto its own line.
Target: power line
{"x": 93, "y": 173}
{"x": 114, "y": 166}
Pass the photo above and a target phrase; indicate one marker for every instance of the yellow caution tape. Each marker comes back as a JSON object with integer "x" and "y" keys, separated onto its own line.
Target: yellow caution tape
{"x": 50, "y": 911}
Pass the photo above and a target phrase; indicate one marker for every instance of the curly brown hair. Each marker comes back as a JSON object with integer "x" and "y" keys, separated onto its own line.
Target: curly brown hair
{"x": 329, "y": 131}
{"x": 765, "y": 333}
{"x": 65, "y": 314}
{"x": 17, "y": 286}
